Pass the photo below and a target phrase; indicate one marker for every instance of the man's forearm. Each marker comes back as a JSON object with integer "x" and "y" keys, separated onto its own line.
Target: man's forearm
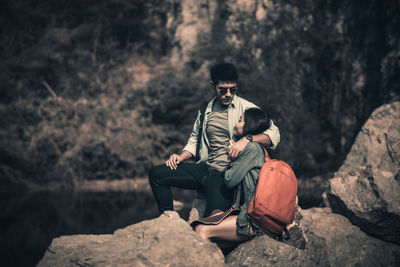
{"x": 262, "y": 139}
{"x": 236, "y": 148}
{"x": 186, "y": 155}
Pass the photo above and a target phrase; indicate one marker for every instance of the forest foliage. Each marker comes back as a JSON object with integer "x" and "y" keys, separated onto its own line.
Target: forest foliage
{"x": 88, "y": 90}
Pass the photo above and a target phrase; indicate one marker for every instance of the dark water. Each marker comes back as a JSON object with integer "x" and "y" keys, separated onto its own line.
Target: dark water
{"x": 29, "y": 221}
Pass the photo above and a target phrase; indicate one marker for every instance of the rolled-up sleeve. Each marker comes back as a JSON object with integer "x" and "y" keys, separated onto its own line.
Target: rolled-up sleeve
{"x": 192, "y": 142}
{"x": 273, "y": 134}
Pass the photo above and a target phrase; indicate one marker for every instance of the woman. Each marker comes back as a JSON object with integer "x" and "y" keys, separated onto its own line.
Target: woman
{"x": 244, "y": 170}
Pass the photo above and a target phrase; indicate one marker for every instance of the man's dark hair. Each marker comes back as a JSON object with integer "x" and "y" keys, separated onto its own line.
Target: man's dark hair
{"x": 223, "y": 72}
{"x": 256, "y": 121}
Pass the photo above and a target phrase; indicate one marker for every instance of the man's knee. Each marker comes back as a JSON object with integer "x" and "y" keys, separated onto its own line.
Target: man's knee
{"x": 156, "y": 173}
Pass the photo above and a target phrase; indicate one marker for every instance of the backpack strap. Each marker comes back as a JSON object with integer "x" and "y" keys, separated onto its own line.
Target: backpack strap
{"x": 267, "y": 157}
{"x": 203, "y": 107}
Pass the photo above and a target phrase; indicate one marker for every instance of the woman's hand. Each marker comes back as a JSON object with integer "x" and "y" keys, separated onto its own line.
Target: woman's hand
{"x": 174, "y": 160}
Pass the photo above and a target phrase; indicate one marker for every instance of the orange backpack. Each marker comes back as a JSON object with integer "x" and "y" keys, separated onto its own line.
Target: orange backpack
{"x": 273, "y": 203}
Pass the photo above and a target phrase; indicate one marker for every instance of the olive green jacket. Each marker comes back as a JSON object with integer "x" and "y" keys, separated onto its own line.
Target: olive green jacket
{"x": 245, "y": 170}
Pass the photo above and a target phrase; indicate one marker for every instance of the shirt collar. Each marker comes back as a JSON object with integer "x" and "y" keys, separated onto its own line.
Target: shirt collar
{"x": 233, "y": 104}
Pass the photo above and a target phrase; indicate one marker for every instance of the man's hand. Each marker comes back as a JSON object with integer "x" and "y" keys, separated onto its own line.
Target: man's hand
{"x": 235, "y": 148}
{"x": 174, "y": 160}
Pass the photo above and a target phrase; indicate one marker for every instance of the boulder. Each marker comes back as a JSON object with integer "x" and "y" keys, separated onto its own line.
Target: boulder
{"x": 345, "y": 243}
{"x": 165, "y": 241}
{"x": 331, "y": 241}
{"x": 370, "y": 199}
{"x": 366, "y": 189}
{"x": 265, "y": 251}
{"x": 375, "y": 143}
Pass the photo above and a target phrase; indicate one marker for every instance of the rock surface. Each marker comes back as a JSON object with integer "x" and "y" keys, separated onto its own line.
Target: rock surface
{"x": 265, "y": 251}
{"x": 370, "y": 199}
{"x": 367, "y": 187}
{"x": 345, "y": 244}
{"x": 371, "y": 146}
{"x": 332, "y": 241}
{"x": 164, "y": 241}
{"x": 169, "y": 241}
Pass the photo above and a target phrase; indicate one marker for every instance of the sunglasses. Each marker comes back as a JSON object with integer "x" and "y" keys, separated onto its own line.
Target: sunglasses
{"x": 223, "y": 91}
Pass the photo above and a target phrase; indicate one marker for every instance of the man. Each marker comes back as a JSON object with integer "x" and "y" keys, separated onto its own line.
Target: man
{"x": 216, "y": 147}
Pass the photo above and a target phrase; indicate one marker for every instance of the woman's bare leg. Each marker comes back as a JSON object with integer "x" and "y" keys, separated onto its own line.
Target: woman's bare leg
{"x": 226, "y": 230}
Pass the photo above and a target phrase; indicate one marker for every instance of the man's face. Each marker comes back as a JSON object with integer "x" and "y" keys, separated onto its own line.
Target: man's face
{"x": 225, "y": 91}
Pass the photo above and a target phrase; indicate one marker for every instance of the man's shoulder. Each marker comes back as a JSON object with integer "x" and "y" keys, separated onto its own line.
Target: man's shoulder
{"x": 244, "y": 102}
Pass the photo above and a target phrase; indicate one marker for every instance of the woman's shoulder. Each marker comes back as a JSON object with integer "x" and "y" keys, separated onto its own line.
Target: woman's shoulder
{"x": 254, "y": 147}
{"x": 253, "y": 154}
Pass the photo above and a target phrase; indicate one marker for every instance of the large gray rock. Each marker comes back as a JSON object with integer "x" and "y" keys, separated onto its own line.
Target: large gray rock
{"x": 345, "y": 243}
{"x": 367, "y": 187}
{"x": 332, "y": 241}
{"x": 164, "y": 241}
{"x": 370, "y": 199}
{"x": 265, "y": 251}
{"x": 371, "y": 146}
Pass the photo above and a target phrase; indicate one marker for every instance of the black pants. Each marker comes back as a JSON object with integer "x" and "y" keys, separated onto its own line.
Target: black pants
{"x": 190, "y": 176}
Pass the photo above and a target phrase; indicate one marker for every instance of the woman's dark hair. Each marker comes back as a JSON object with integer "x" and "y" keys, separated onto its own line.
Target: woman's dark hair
{"x": 223, "y": 72}
{"x": 255, "y": 121}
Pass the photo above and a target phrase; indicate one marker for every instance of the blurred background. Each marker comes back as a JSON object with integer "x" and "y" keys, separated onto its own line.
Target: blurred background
{"x": 94, "y": 93}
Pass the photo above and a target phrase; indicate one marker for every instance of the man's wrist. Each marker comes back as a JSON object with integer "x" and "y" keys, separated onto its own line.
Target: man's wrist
{"x": 249, "y": 137}
{"x": 186, "y": 155}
